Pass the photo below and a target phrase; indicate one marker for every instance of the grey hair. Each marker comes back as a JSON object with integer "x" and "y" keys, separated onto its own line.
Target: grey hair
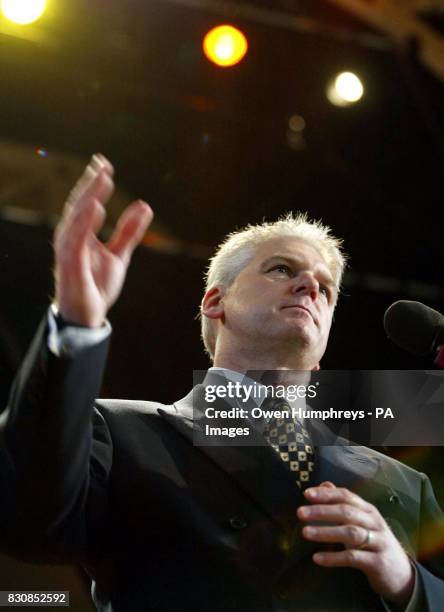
{"x": 239, "y": 248}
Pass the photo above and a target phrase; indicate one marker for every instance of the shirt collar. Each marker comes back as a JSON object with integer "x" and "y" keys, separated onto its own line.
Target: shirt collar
{"x": 231, "y": 375}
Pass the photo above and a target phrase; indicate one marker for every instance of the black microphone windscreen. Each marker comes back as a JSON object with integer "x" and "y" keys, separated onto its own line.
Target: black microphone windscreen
{"x": 413, "y": 326}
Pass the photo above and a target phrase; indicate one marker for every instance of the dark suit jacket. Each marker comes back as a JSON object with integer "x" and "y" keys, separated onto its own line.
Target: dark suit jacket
{"x": 162, "y": 525}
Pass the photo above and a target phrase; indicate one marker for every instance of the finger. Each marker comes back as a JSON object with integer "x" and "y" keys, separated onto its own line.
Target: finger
{"x": 88, "y": 176}
{"x": 359, "y": 559}
{"x": 130, "y": 229}
{"x": 87, "y": 220}
{"x": 100, "y": 189}
{"x": 104, "y": 163}
{"x": 344, "y": 514}
{"x": 336, "y": 495}
{"x": 97, "y": 164}
{"x": 351, "y": 536}
{"x": 328, "y": 484}
{"x": 91, "y": 170}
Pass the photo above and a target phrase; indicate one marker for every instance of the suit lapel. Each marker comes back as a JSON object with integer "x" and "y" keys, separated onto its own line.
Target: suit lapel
{"x": 255, "y": 468}
{"x": 345, "y": 466}
{"x": 260, "y": 474}
{"x": 362, "y": 471}
{"x": 338, "y": 461}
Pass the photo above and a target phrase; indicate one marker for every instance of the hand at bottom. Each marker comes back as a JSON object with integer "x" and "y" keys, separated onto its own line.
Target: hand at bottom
{"x": 370, "y": 545}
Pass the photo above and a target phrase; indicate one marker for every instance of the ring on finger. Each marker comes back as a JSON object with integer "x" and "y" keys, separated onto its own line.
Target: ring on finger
{"x": 367, "y": 541}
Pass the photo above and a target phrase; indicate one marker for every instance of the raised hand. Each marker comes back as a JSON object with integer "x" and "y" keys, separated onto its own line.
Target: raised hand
{"x": 88, "y": 273}
{"x": 369, "y": 543}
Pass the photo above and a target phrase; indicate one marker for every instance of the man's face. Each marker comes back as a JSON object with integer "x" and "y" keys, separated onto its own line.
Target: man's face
{"x": 284, "y": 297}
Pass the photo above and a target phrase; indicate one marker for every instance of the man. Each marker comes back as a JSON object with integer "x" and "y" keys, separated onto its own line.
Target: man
{"x": 163, "y": 525}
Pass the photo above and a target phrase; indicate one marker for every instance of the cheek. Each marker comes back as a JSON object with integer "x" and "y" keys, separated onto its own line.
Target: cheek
{"x": 244, "y": 299}
{"x": 236, "y": 307}
{"x": 245, "y": 310}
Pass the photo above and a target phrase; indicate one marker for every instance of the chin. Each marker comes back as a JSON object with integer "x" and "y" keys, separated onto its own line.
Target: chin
{"x": 301, "y": 337}
{"x": 302, "y": 330}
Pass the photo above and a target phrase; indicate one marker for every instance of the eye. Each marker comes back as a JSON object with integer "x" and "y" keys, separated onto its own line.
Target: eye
{"x": 325, "y": 290}
{"x": 281, "y": 268}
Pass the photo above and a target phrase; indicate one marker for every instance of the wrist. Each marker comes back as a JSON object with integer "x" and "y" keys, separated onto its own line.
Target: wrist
{"x": 65, "y": 318}
{"x": 400, "y": 600}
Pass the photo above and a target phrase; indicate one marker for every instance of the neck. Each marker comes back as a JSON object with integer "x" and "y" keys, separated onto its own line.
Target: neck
{"x": 245, "y": 359}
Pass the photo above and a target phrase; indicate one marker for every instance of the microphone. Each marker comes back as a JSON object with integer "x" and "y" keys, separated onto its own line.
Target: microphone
{"x": 416, "y": 328}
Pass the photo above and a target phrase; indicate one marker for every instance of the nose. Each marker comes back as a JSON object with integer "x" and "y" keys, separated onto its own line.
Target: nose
{"x": 306, "y": 284}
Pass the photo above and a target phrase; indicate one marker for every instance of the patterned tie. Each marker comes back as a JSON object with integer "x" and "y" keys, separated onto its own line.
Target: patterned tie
{"x": 292, "y": 442}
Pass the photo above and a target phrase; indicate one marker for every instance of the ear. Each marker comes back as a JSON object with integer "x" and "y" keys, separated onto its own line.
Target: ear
{"x": 212, "y": 303}
{"x": 316, "y": 368}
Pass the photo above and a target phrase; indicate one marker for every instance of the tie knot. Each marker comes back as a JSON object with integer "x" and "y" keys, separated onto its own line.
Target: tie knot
{"x": 272, "y": 405}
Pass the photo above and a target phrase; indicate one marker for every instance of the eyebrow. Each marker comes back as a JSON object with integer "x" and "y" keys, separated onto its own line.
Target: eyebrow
{"x": 327, "y": 279}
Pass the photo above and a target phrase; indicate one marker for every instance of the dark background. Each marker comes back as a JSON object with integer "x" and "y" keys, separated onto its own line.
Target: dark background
{"x": 211, "y": 150}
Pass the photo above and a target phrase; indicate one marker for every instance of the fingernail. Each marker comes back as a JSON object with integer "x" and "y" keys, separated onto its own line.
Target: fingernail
{"x": 309, "y": 531}
{"x": 311, "y": 493}
{"x": 97, "y": 162}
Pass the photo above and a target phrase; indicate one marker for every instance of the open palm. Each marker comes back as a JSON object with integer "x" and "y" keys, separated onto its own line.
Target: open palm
{"x": 88, "y": 273}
